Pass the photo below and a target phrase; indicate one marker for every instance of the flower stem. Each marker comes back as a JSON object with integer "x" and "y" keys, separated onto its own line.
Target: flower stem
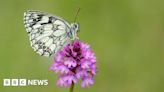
{"x": 71, "y": 88}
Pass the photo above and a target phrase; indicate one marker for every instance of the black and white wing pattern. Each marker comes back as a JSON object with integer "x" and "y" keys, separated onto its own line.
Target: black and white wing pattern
{"x": 47, "y": 33}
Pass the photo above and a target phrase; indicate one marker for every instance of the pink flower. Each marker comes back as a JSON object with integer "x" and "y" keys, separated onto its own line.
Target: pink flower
{"x": 86, "y": 81}
{"x": 73, "y": 62}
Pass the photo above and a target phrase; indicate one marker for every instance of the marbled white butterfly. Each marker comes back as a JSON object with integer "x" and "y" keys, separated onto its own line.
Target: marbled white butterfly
{"x": 48, "y": 33}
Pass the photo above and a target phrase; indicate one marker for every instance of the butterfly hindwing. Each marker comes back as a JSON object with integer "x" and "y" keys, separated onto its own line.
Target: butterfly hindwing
{"x": 47, "y": 33}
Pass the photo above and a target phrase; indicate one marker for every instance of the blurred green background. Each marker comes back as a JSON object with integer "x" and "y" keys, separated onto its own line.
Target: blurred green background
{"x": 127, "y": 37}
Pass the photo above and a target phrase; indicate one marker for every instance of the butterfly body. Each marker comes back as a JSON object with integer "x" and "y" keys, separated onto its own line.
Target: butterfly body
{"x": 48, "y": 33}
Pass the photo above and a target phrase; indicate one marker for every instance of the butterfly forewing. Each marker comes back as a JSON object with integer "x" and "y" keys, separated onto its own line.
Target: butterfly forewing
{"x": 47, "y": 33}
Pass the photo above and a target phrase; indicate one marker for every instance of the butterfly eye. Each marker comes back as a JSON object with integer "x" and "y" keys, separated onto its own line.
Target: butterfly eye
{"x": 76, "y": 26}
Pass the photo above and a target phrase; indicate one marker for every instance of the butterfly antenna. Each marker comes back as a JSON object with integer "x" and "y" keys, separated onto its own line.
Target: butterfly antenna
{"x": 76, "y": 14}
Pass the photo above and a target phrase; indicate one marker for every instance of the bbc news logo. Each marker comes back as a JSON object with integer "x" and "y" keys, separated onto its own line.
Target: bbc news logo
{"x": 24, "y": 82}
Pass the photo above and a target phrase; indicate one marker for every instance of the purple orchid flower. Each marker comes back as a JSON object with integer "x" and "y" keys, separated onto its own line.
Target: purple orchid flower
{"x": 73, "y": 62}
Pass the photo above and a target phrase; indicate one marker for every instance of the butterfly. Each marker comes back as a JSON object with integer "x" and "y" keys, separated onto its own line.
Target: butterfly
{"x": 48, "y": 33}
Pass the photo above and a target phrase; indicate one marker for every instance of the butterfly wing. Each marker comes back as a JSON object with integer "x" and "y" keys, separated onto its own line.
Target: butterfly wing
{"x": 47, "y": 33}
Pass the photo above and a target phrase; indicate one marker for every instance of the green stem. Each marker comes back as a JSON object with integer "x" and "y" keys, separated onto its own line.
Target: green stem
{"x": 71, "y": 88}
